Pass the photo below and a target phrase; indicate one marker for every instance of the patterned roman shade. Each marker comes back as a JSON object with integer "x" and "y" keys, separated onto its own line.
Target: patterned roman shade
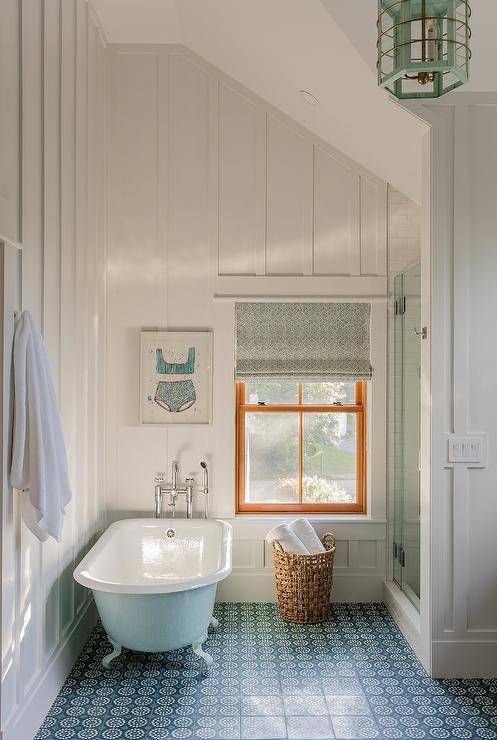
{"x": 298, "y": 341}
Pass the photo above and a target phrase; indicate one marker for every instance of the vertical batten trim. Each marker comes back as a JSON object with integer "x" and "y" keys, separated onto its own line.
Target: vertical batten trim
{"x": 308, "y": 207}
{"x": 81, "y": 245}
{"x": 163, "y": 186}
{"x": 266, "y": 190}
{"x": 51, "y": 305}
{"x": 31, "y": 296}
{"x": 91, "y": 270}
{"x": 360, "y": 221}
{"x": 67, "y": 272}
{"x": 104, "y": 72}
{"x": 355, "y": 223}
{"x": 460, "y": 274}
{"x": 216, "y": 260}
{"x": 20, "y": 113}
{"x": 382, "y": 229}
{"x": 313, "y": 244}
{"x": 460, "y": 356}
{"x": 260, "y": 190}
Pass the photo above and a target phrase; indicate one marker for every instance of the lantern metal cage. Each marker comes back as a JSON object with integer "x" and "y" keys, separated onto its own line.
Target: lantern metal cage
{"x": 423, "y": 46}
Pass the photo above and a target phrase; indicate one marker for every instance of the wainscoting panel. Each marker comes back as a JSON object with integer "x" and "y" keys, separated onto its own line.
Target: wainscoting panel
{"x": 358, "y": 569}
{"x": 10, "y": 95}
{"x": 57, "y": 273}
{"x": 289, "y": 200}
{"x": 238, "y": 186}
{"x": 281, "y": 200}
{"x": 336, "y": 216}
{"x": 373, "y": 226}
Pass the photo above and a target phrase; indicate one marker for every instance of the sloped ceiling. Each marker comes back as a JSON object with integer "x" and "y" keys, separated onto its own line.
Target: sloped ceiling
{"x": 276, "y": 48}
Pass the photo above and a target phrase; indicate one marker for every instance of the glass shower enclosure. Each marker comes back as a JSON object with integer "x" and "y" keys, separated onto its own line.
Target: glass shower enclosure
{"x": 406, "y": 442}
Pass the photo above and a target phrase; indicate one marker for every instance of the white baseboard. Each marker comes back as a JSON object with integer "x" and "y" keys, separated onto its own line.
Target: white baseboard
{"x": 350, "y": 588}
{"x": 457, "y": 659}
{"x": 27, "y": 720}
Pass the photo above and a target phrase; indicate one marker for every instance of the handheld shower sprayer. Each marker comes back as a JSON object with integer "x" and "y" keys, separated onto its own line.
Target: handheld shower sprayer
{"x": 205, "y": 470}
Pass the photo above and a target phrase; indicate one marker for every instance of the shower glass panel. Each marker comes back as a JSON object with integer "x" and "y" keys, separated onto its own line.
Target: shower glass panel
{"x": 407, "y": 359}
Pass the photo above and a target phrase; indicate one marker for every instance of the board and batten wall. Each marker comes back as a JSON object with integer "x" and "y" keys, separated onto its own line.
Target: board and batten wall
{"x": 215, "y": 196}
{"x": 52, "y": 226}
{"x": 459, "y": 591}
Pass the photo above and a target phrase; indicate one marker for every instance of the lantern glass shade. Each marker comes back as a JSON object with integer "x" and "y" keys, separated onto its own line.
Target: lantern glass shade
{"x": 423, "y": 46}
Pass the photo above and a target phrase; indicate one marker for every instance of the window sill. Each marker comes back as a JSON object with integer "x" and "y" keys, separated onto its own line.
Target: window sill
{"x": 356, "y": 518}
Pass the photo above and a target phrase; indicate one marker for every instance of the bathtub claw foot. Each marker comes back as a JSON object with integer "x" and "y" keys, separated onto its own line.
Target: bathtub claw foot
{"x": 197, "y": 649}
{"x": 214, "y": 623}
{"x": 116, "y": 651}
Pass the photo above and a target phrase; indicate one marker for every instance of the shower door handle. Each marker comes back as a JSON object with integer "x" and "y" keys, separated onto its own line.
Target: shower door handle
{"x": 423, "y": 333}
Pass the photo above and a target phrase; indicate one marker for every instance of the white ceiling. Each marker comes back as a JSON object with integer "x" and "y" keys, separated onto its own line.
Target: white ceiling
{"x": 275, "y": 48}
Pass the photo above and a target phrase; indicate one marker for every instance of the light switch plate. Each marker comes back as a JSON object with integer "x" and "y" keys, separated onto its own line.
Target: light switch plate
{"x": 469, "y": 450}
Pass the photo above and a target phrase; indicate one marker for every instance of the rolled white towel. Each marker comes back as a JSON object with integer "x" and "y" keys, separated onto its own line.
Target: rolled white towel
{"x": 288, "y": 540}
{"x": 306, "y": 534}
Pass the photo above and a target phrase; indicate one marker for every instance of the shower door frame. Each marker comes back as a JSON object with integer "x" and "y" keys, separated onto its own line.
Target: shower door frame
{"x": 407, "y": 383}
{"x": 418, "y": 626}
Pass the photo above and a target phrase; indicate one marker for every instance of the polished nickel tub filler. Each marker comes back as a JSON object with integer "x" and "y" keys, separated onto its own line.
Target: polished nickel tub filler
{"x": 154, "y": 582}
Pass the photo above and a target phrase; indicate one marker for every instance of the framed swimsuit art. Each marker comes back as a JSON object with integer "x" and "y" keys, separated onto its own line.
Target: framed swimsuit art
{"x": 176, "y": 377}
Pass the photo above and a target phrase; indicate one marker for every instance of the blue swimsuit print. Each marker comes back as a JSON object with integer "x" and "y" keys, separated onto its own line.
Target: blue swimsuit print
{"x": 175, "y": 368}
{"x": 176, "y": 395}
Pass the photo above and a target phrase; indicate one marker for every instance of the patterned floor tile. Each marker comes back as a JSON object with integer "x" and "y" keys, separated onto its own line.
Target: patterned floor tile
{"x": 218, "y": 728}
{"x": 348, "y": 704}
{"x": 309, "y": 728}
{"x": 262, "y": 705}
{"x": 263, "y": 728}
{"x": 355, "y": 727}
{"x": 353, "y": 675}
{"x": 342, "y": 686}
{"x": 305, "y": 705}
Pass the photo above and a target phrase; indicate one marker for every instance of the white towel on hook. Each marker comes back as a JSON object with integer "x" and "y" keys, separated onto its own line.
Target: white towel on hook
{"x": 288, "y": 540}
{"x": 39, "y": 461}
{"x": 306, "y": 534}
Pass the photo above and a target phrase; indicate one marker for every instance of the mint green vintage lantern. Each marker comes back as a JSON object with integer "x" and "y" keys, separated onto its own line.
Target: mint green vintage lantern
{"x": 423, "y": 46}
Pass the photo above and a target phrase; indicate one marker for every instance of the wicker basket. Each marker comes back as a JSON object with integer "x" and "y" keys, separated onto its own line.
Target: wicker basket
{"x": 303, "y": 583}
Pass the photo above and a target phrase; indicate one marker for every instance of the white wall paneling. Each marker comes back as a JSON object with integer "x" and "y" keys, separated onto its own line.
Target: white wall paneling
{"x": 289, "y": 200}
{"x": 241, "y": 209}
{"x": 462, "y": 636}
{"x": 336, "y": 216}
{"x": 359, "y": 570}
{"x": 213, "y": 198}
{"x": 286, "y": 202}
{"x": 61, "y": 280}
{"x": 10, "y": 140}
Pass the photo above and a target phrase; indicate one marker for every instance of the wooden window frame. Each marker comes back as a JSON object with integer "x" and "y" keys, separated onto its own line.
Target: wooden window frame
{"x": 359, "y": 408}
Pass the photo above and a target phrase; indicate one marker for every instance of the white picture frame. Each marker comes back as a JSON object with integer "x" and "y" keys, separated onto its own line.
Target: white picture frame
{"x": 175, "y": 378}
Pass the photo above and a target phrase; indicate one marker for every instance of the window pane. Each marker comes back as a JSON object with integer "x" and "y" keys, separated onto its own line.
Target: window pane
{"x": 322, "y": 393}
{"x": 275, "y": 392}
{"x": 329, "y": 458}
{"x": 271, "y": 458}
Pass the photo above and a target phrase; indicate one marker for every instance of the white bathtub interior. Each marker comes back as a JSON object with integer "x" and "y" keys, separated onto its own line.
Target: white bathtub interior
{"x": 157, "y": 556}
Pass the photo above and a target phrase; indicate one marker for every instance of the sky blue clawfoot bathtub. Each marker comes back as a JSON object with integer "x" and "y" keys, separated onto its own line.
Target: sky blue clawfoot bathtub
{"x": 154, "y": 582}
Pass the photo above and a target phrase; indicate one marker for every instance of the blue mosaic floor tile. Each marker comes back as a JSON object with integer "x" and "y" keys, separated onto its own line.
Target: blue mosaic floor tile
{"x": 308, "y": 727}
{"x": 352, "y": 677}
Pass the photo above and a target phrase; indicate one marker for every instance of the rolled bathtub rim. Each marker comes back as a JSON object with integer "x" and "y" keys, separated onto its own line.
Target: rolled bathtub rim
{"x": 83, "y": 577}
